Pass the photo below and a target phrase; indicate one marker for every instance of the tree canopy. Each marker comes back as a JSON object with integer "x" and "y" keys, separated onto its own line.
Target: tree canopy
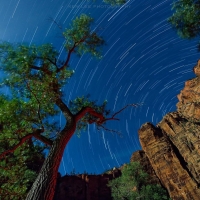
{"x": 133, "y": 184}
{"x": 19, "y": 170}
{"x": 35, "y": 76}
{"x": 115, "y": 2}
{"x": 186, "y": 18}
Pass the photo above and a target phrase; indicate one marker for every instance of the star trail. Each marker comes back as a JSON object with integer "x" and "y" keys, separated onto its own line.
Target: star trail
{"x": 144, "y": 61}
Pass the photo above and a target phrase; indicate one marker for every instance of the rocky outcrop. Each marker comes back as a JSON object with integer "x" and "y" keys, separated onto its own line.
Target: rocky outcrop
{"x": 94, "y": 187}
{"x": 85, "y": 187}
{"x": 141, "y": 157}
{"x": 188, "y": 106}
{"x": 173, "y": 145}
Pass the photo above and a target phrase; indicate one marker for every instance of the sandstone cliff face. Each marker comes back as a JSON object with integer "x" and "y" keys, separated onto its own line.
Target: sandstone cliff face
{"x": 173, "y": 146}
{"x": 141, "y": 157}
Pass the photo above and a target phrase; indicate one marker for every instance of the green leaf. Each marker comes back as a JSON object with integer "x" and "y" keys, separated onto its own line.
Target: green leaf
{"x": 133, "y": 184}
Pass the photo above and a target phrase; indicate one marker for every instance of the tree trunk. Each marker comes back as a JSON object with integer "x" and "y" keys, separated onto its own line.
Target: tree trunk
{"x": 44, "y": 186}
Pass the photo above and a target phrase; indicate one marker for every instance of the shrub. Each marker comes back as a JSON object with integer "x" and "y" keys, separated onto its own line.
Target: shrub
{"x": 133, "y": 184}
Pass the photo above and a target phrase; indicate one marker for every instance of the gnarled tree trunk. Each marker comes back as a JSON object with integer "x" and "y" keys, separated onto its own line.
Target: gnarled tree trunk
{"x": 44, "y": 186}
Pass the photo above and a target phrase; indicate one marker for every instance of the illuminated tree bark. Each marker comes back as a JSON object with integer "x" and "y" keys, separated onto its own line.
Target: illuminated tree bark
{"x": 44, "y": 185}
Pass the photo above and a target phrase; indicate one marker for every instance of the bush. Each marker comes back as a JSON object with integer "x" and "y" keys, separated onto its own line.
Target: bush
{"x": 133, "y": 184}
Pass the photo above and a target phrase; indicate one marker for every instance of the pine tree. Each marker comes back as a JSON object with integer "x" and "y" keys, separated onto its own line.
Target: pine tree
{"x": 186, "y": 19}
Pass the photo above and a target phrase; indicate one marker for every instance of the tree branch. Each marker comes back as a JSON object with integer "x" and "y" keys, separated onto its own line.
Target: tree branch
{"x": 35, "y": 134}
{"x": 91, "y": 111}
{"x": 54, "y": 21}
{"x": 109, "y": 130}
{"x": 70, "y": 52}
{"x": 116, "y": 113}
{"x": 100, "y": 118}
{"x": 41, "y": 68}
{"x": 37, "y": 101}
{"x": 63, "y": 107}
{"x": 68, "y": 58}
{"x": 35, "y": 67}
{"x": 43, "y": 139}
{"x": 52, "y": 62}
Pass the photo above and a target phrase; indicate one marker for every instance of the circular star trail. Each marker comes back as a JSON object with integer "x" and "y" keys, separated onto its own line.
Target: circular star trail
{"x": 144, "y": 62}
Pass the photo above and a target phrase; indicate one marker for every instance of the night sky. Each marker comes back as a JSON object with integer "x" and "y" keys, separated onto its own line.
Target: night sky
{"x": 144, "y": 61}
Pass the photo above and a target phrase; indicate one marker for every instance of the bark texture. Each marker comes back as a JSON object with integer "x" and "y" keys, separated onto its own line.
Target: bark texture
{"x": 45, "y": 183}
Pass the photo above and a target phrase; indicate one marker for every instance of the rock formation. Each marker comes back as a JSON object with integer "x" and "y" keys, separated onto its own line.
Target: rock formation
{"x": 85, "y": 187}
{"x": 140, "y": 156}
{"x": 94, "y": 187}
{"x": 173, "y": 145}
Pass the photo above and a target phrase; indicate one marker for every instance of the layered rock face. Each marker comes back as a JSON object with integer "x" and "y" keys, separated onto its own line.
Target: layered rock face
{"x": 173, "y": 145}
{"x": 141, "y": 157}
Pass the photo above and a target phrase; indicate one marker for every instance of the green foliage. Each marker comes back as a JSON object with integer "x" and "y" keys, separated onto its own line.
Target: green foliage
{"x": 154, "y": 192}
{"x": 115, "y": 2}
{"x": 19, "y": 170}
{"x": 77, "y": 104}
{"x": 132, "y": 184}
{"x": 186, "y": 18}
{"x": 34, "y": 77}
{"x": 81, "y": 36}
{"x": 18, "y": 61}
{"x": 27, "y": 108}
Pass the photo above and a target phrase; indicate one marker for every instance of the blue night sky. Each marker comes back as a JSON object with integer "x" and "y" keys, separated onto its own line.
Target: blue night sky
{"x": 143, "y": 61}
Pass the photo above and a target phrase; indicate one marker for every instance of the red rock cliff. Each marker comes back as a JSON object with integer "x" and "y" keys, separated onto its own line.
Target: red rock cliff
{"x": 173, "y": 145}
{"x": 85, "y": 187}
{"x": 94, "y": 187}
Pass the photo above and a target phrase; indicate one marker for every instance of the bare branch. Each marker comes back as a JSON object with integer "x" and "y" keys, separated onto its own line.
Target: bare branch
{"x": 109, "y": 130}
{"x": 135, "y": 105}
{"x": 56, "y": 23}
{"x": 68, "y": 58}
{"x": 100, "y": 118}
